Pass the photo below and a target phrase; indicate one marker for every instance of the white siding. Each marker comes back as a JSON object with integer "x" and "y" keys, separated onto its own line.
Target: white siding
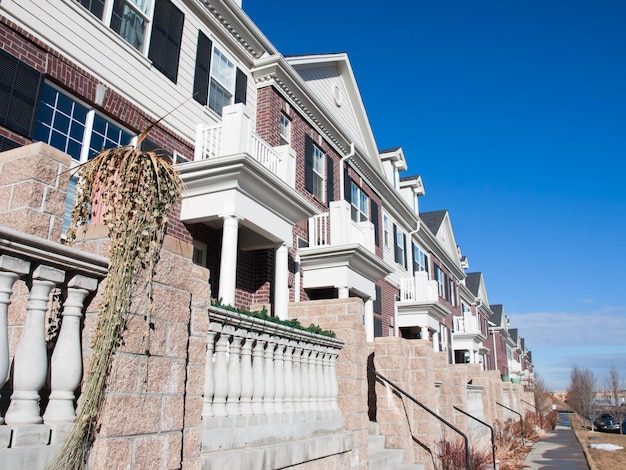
{"x": 73, "y": 31}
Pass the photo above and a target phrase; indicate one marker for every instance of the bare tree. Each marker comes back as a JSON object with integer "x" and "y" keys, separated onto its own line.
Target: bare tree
{"x": 615, "y": 386}
{"x": 582, "y": 393}
{"x": 543, "y": 398}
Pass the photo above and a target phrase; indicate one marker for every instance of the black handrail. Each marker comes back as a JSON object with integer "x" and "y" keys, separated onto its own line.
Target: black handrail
{"x": 538, "y": 409}
{"x": 425, "y": 408}
{"x": 521, "y": 421}
{"x": 493, "y": 437}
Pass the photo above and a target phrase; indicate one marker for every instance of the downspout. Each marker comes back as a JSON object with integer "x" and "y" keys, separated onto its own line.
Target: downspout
{"x": 341, "y": 162}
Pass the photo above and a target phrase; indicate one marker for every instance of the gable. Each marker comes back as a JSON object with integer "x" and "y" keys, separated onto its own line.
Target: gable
{"x": 445, "y": 236}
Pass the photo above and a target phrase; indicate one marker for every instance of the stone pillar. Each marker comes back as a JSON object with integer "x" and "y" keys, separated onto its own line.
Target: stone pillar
{"x": 228, "y": 264}
{"x": 368, "y": 320}
{"x": 281, "y": 282}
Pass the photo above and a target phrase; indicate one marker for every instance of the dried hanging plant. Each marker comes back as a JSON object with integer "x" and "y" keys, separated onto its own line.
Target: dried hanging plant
{"x": 134, "y": 191}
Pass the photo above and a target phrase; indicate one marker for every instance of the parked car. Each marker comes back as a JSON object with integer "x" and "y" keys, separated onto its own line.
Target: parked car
{"x": 606, "y": 422}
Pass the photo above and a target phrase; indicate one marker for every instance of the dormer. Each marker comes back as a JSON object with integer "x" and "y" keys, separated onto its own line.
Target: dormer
{"x": 412, "y": 187}
{"x": 393, "y": 163}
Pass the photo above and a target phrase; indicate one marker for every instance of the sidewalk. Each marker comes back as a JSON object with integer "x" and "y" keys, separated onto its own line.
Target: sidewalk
{"x": 559, "y": 449}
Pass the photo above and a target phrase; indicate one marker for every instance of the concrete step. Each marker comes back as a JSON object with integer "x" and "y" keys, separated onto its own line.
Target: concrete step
{"x": 381, "y": 458}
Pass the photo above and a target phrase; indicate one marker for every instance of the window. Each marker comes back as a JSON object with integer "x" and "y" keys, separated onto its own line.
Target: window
{"x": 285, "y": 130}
{"x": 399, "y": 246}
{"x": 420, "y": 259}
{"x": 439, "y": 277}
{"x": 314, "y": 169}
{"x": 358, "y": 204}
{"x": 386, "y": 229}
{"x": 140, "y": 22}
{"x": 217, "y": 82}
{"x": 74, "y": 129}
{"x": 199, "y": 253}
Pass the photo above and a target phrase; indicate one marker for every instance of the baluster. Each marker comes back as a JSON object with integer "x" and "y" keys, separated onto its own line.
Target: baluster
{"x": 258, "y": 375}
{"x": 321, "y": 383}
{"x": 279, "y": 371}
{"x": 289, "y": 377}
{"x": 209, "y": 370}
{"x": 326, "y": 400}
{"x": 307, "y": 387}
{"x": 30, "y": 364}
{"x": 313, "y": 396}
{"x": 247, "y": 381}
{"x": 270, "y": 384}
{"x": 66, "y": 367}
{"x": 221, "y": 372}
{"x": 334, "y": 385}
{"x": 10, "y": 270}
{"x": 234, "y": 374}
{"x": 297, "y": 377}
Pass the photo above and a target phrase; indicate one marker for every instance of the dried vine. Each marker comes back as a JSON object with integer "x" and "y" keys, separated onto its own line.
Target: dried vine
{"x": 134, "y": 191}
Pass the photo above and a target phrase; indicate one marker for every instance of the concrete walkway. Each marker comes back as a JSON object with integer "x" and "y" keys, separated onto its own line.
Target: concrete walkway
{"x": 559, "y": 449}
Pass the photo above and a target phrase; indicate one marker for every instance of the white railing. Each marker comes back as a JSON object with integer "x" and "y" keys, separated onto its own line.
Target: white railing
{"x": 418, "y": 288}
{"x": 208, "y": 141}
{"x": 319, "y": 230}
{"x": 59, "y": 280}
{"x": 257, "y": 367}
{"x": 336, "y": 228}
{"x": 264, "y": 154}
{"x": 467, "y": 324}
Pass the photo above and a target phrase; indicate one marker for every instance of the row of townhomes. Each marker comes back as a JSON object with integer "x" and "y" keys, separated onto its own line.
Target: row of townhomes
{"x": 289, "y": 206}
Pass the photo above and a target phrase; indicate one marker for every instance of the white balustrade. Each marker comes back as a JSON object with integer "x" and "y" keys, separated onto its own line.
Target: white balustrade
{"x": 261, "y": 368}
{"x": 208, "y": 141}
{"x": 319, "y": 230}
{"x": 42, "y": 266}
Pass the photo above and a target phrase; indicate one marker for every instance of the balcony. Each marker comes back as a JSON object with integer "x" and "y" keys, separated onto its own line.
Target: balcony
{"x": 336, "y": 228}
{"x": 419, "y": 304}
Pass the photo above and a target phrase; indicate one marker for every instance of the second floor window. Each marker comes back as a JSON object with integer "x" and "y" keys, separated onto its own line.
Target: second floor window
{"x": 142, "y": 22}
{"x": 217, "y": 81}
{"x": 399, "y": 246}
{"x": 358, "y": 205}
{"x": 420, "y": 259}
{"x": 285, "y": 130}
{"x": 440, "y": 278}
{"x": 318, "y": 171}
{"x": 386, "y": 230}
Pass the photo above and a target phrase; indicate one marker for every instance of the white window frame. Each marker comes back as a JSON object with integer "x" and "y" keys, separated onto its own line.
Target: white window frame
{"x": 199, "y": 255}
{"x": 422, "y": 260}
{"x": 146, "y": 15}
{"x": 319, "y": 179}
{"x": 285, "y": 129}
{"x": 440, "y": 278}
{"x": 214, "y": 75}
{"x": 359, "y": 204}
{"x": 386, "y": 233}
{"x": 399, "y": 245}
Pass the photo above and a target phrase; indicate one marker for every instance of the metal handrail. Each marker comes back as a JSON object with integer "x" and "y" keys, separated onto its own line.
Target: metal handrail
{"x": 425, "y": 408}
{"x": 493, "y": 437}
{"x": 521, "y": 421}
{"x": 538, "y": 409}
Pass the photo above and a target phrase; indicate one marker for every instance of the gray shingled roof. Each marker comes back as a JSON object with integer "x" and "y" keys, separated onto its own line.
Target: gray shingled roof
{"x": 433, "y": 219}
{"x": 472, "y": 282}
{"x": 498, "y": 311}
{"x": 393, "y": 149}
{"x": 409, "y": 178}
{"x": 513, "y": 333}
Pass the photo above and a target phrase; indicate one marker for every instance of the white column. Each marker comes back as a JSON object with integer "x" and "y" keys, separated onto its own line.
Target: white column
{"x": 10, "y": 270}
{"x": 343, "y": 292}
{"x": 436, "y": 341}
{"x": 66, "y": 367}
{"x": 236, "y": 129}
{"x": 209, "y": 370}
{"x": 221, "y": 372}
{"x": 234, "y": 374}
{"x": 281, "y": 282}
{"x": 247, "y": 382}
{"x": 368, "y": 314}
{"x": 30, "y": 363}
{"x": 228, "y": 264}
{"x": 258, "y": 375}
{"x": 424, "y": 332}
{"x": 270, "y": 384}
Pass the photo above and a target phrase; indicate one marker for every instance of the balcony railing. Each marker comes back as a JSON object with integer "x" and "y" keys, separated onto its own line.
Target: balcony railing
{"x": 234, "y": 135}
{"x": 419, "y": 288}
{"x": 466, "y": 324}
{"x": 56, "y": 282}
{"x": 336, "y": 227}
{"x": 261, "y": 375}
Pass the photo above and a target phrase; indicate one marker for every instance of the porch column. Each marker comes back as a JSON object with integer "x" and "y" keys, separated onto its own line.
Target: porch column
{"x": 281, "y": 281}
{"x": 424, "y": 332}
{"x": 369, "y": 320}
{"x": 436, "y": 341}
{"x": 228, "y": 264}
{"x": 343, "y": 292}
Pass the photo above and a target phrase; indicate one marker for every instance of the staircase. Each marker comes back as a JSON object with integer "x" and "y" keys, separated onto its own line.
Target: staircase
{"x": 381, "y": 458}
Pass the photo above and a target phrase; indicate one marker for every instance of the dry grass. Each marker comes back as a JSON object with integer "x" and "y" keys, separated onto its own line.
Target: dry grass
{"x": 600, "y": 459}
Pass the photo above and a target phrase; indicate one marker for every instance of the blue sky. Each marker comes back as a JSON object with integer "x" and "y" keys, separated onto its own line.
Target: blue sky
{"x": 514, "y": 114}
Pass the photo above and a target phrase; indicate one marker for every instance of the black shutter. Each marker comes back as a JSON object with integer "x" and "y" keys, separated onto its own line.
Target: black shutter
{"x": 404, "y": 263}
{"x": 396, "y": 253}
{"x": 330, "y": 179}
{"x": 20, "y": 87}
{"x": 308, "y": 163}
{"x": 167, "y": 32}
{"x": 241, "y": 87}
{"x": 374, "y": 218}
{"x": 378, "y": 303}
{"x": 347, "y": 185}
{"x": 94, "y": 6}
{"x": 378, "y": 326}
{"x": 203, "y": 62}
{"x": 426, "y": 265}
